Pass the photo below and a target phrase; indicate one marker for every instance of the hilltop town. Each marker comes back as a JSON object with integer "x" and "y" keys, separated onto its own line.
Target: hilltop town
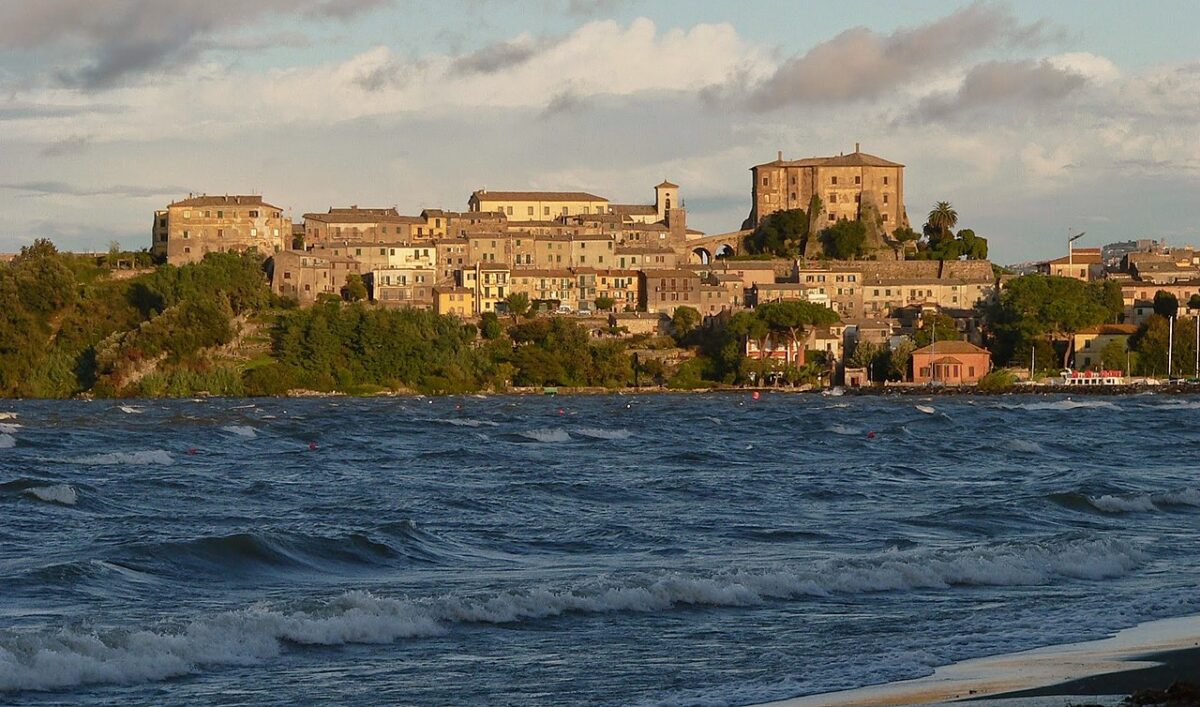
{"x": 826, "y": 282}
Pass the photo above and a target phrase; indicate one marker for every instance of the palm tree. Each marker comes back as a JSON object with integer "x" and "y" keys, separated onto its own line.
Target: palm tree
{"x": 943, "y": 217}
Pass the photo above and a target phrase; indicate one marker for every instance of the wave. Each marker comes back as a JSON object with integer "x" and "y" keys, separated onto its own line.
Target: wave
{"x": 1144, "y": 503}
{"x": 1062, "y": 405}
{"x": 1025, "y": 446}
{"x": 130, "y": 409}
{"x": 149, "y": 456}
{"x": 841, "y": 429}
{"x": 249, "y": 553}
{"x": 10, "y": 427}
{"x": 8, "y": 415}
{"x": 249, "y": 636}
{"x": 547, "y": 435}
{"x": 467, "y": 422}
{"x": 927, "y": 409}
{"x": 64, "y": 494}
{"x": 599, "y": 433}
{"x": 7, "y": 441}
{"x": 241, "y": 431}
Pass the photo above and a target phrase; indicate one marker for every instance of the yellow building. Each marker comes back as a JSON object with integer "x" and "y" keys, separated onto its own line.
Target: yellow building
{"x": 188, "y": 229}
{"x": 537, "y": 205}
{"x": 490, "y": 284}
{"x": 547, "y": 285}
{"x": 1089, "y": 343}
{"x": 620, "y": 285}
{"x": 455, "y": 301}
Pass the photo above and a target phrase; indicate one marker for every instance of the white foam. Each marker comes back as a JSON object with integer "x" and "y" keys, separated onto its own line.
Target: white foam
{"x": 8, "y": 415}
{"x": 841, "y": 429}
{"x": 9, "y": 427}
{"x": 1064, "y": 405}
{"x": 249, "y": 636}
{"x": 7, "y": 441}
{"x": 600, "y": 433}
{"x": 130, "y": 409}
{"x": 59, "y": 493}
{"x": 149, "y": 456}
{"x": 468, "y": 422}
{"x": 547, "y": 435}
{"x": 241, "y": 430}
{"x": 1123, "y": 504}
{"x": 927, "y": 409}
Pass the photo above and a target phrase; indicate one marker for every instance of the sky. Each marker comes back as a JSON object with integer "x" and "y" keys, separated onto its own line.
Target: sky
{"x": 1033, "y": 119}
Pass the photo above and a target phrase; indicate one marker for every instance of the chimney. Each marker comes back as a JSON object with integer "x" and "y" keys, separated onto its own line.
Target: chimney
{"x": 856, "y": 150}
{"x": 354, "y": 207}
{"x": 780, "y": 155}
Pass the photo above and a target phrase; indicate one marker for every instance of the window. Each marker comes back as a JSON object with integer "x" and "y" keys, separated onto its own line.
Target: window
{"x": 564, "y": 211}
{"x": 531, "y": 211}
{"x": 187, "y": 214}
{"x": 185, "y": 234}
{"x": 885, "y": 198}
{"x": 793, "y": 196}
{"x": 220, "y": 232}
{"x": 885, "y": 181}
{"x": 832, "y": 217}
{"x": 833, "y": 180}
{"x": 253, "y": 214}
{"x": 510, "y": 211}
{"x": 858, "y": 180}
{"x": 187, "y": 250}
{"x": 833, "y": 198}
{"x": 885, "y": 218}
{"x": 764, "y": 181}
{"x": 545, "y": 210}
{"x": 207, "y": 214}
{"x": 793, "y": 180}
{"x": 220, "y": 214}
{"x": 254, "y": 232}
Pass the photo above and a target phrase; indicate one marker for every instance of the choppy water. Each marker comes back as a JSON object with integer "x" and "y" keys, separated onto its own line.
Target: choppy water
{"x": 667, "y": 549}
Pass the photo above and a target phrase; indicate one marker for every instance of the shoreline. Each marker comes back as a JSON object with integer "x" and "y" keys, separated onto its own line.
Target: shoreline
{"x": 1152, "y": 654}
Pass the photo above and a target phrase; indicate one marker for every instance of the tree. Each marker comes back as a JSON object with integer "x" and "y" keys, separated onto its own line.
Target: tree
{"x": 605, "y": 304}
{"x": 845, "y": 240}
{"x": 1113, "y": 355}
{"x": 945, "y": 328}
{"x": 940, "y": 223}
{"x": 354, "y": 290}
{"x": 684, "y": 321}
{"x": 905, "y": 234}
{"x": 489, "y": 326}
{"x": 517, "y": 304}
{"x": 782, "y": 234}
{"x": 1051, "y": 308}
{"x": 1166, "y": 304}
{"x": 795, "y": 317}
{"x": 1194, "y": 302}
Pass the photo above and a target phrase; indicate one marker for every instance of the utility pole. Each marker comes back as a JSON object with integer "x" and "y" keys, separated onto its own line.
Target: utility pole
{"x": 1071, "y": 249}
{"x": 1170, "y": 345}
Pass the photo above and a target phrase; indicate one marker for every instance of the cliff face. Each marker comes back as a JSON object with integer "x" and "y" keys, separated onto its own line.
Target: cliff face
{"x": 879, "y": 244}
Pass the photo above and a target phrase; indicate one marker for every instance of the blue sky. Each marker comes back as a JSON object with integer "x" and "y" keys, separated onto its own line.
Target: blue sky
{"x": 1032, "y": 118}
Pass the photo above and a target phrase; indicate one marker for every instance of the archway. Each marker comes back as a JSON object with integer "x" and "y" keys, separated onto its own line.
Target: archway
{"x": 701, "y": 256}
{"x": 724, "y": 251}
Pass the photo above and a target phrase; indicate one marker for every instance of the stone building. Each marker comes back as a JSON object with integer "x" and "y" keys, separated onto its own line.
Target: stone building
{"x": 188, "y": 229}
{"x": 866, "y": 288}
{"x": 358, "y": 225}
{"x": 537, "y": 205}
{"x": 663, "y": 291}
{"x": 402, "y": 286}
{"x": 843, "y": 183}
{"x": 305, "y": 276}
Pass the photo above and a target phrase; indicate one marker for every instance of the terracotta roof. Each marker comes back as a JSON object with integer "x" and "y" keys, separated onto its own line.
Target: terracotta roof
{"x": 951, "y": 347}
{"x": 634, "y": 209}
{"x": 854, "y": 159}
{"x": 670, "y": 273}
{"x": 949, "y": 359}
{"x": 227, "y": 200}
{"x": 667, "y": 185}
{"x": 441, "y": 290}
{"x": 1118, "y": 329}
{"x": 484, "y": 194}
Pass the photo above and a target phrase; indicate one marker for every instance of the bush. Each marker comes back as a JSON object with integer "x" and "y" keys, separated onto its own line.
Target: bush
{"x": 998, "y": 381}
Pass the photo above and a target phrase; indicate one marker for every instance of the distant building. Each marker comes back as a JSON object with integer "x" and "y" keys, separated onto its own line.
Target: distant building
{"x": 537, "y": 205}
{"x": 1089, "y": 343}
{"x": 666, "y": 290}
{"x": 841, "y": 182}
{"x": 190, "y": 228}
{"x": 950, "y": 363}
{"x": 1084, "y": 264}
{"x": 456, "y": 301}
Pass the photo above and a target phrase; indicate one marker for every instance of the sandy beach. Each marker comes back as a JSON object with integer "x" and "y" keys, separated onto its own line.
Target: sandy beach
{"x": 1149, "y": 655}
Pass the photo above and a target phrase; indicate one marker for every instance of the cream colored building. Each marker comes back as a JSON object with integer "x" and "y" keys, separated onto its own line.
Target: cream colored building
{"x": 188, "y": 229}
{"x": 874, "y": 288}
{"x": 404, "y": 286}
{"x": 1089, "y": 343}
{"x": 841, "y": 182}
{"x": 537, "y": 205}
{"x": 557, "y": 284}
{"x": 489, "y": 282}
{"x": 357, "y": 225}
{"x": 455, "y": 301}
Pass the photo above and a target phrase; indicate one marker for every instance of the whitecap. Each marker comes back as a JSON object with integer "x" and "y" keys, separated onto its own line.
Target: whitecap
{"x": 1066, "y": 405}
{"x": 1123, "y": 504}
{"x": 8, "y": 415}
{"x": 841, "y": 429}
{"x": 547, "y": 435}
{"x": 1026, "y": 446}
{"x": 241, "y": 430}
{"x": 59, "y": 493}
{"x": 7, "y": 441}
{"x": 927, "y": 409}
{"x": 9, "y": 427}
{"x": 149, "y": 456}
{"x": 599, "y": 433}
{"x": 130, "y": 409}
{"x": 468, "y": 422}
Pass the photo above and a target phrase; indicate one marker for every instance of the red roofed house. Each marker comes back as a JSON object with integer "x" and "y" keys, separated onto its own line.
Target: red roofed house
{"x": 950, "y": 363}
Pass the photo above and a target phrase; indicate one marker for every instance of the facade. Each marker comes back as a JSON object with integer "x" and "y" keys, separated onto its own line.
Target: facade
{"x": 405, "y": 286}
{"x": 842, "y": 183}
{"x": 188, "y": 229}
{"x": 1083, "y": 264}
{"x": 620, "y": 285}
{"x": 456, "y": 301}
{"x": 546, "y": 285}
{"x": 305, "y": 276}
{"x": 537, "y": 205}
{"x": 663, "y": 291}
{"x": 1089, "y": 343}
{"x": 489, "y": 282}
{"x": 950, "y": 363}
{"x": 875, "y": 288}
{"x": 355, "y": 225}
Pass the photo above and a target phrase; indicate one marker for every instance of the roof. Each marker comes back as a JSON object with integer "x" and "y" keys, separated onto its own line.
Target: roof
{"x": 854, "y": 159}
{"x": 227, "y": 200}
{"x": 948, "y": 359}
{"x": 634, "y": 209}
{"x": 1110, "y": 329}
{"x": 667, "y": 185}
{"x": 1079, "y": 256}
{"x": 356, "y": 215}
{"x": 781, "y": 286}
{"x": 542, "y": 272}
{"x": 670, "y": 273}
{"x": 952, "y": 347}
{"x": 484, "y": 194}
{"x": 445, "y": 290}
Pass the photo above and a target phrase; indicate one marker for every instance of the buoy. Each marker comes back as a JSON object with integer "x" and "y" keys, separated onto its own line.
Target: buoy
{"x": 312, "y": 445}
{"x": 458, "y": 407}
{"x": 870, "y": 435}
{"x": 561, "y": 411}
{"x": 192, "y": 450}
{"x": 755, "y": 395}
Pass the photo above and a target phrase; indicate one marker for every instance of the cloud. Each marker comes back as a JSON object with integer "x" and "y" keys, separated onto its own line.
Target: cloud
{"x": 861, "y": 64}
{"x": 119, "y": 39}
{"x": 73, "y": 145}
{"x": 500, "y": 56}
{"x": 1029, "y": 84}
{"x": 54, "y": 188}
{"x": 567, "y": 101}
{"x": 589, "y": 8}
